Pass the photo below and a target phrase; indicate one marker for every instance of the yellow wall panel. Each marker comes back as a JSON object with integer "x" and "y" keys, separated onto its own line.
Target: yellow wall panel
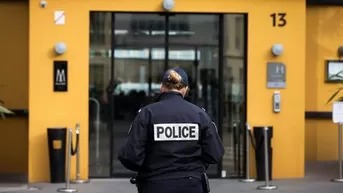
{"x": 14, "y": 21}
{"x": 13, "y": 145}
{"x": 288, "y": 141}
{"x": 327, "y": 140}
{"x": 323, "y": 35}
{"x": 14, "y": 54}
{"x": 311, "y": 140}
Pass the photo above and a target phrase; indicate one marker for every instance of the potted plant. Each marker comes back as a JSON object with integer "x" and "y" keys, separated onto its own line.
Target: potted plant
{"x": 339, "y": 78}
{"x": 4, "y": 110}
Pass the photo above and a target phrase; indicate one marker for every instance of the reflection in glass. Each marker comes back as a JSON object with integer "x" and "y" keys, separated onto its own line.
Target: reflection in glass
{"x": 138, "y": 67}
{"x": 200, "y": 44}
{"x": 234, "y": 96}
{"x": 99, "y": 76}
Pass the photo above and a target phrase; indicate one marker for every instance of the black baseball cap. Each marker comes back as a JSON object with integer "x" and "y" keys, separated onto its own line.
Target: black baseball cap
{"x": 178, "y": 70}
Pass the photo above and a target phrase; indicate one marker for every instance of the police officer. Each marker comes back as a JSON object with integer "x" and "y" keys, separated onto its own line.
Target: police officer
{"x": 172, "y": 142}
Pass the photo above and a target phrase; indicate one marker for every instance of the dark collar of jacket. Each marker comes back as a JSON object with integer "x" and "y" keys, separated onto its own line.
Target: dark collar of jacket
{"x": 168, "y": 95}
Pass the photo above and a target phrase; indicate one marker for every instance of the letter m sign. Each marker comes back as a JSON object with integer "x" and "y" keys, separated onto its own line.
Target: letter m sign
{"x": 60, "y": 81}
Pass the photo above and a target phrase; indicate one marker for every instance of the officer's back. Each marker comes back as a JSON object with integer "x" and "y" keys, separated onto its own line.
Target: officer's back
{"x": 174, "y": 148}
{"x": 171, "y": 139}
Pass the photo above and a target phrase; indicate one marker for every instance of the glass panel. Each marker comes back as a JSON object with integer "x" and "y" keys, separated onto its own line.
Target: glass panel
{"x": 194, "y": 46}
{"x": 99, "y": 76}
{"x": 234, "y": 96}
{"x": 138, "y": 67}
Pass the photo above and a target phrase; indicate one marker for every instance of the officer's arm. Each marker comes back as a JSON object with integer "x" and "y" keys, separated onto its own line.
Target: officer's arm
{"x": 132, "y": 154}
{"x": 212, "y": 146}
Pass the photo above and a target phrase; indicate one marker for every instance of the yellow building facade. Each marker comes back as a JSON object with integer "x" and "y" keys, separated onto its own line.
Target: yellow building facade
{"x": 306, "y": 41}
{"x": 68, "y": 108}
{"x": 322, "y": 43}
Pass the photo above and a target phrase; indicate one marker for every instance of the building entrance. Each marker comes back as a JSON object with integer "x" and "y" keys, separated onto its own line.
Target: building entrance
{"x": 129, "y": 53}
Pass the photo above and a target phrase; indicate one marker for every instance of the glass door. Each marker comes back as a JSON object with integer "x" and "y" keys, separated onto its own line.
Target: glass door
{"x": 193, "y": 44}
{"x": 138, "y": 65}
{"x": 127, "y": 61}
{"x": 100, "y": 68}
{"x": 234, "y": 96}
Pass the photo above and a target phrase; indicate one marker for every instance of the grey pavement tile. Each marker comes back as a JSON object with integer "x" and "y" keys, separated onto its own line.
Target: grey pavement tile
{"x": 217, "y": 186}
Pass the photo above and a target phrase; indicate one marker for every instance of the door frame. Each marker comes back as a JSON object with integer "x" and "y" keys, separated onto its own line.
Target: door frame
{"x": 166, "y": 65}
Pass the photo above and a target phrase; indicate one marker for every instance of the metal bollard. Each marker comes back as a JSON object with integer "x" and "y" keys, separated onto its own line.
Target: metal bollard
{"x": 340, "y": 179}
{"x": 67, "y": 187}
{"x": 267, "y": 186}
{"x": 247, "y": 179}
{"x": 78, "y": 179}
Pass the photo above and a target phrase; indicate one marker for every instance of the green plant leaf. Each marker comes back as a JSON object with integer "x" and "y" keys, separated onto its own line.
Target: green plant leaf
{"x": 3, "y": 110}
{"x": 334, "y": 95}
{"x": 339, "y": 78}
{"x": 2, "y": 116}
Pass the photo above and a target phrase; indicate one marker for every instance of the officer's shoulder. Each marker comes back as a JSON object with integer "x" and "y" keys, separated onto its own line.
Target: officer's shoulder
{"x": 152, "y": 105}
{"x": 201, "y": 111}
{"x": 197, "y": 108}
{"x": 146, "y": 108}
{"x": 142, "y": 110}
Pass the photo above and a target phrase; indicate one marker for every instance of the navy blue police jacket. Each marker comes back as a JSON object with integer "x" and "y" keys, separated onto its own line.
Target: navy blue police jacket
{"x": 171, "y": 138}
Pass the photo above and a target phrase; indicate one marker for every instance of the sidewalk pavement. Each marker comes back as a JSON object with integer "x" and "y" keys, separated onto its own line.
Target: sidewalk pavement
{"x": 317, "y": 180}
{"x": 217, "y": 186}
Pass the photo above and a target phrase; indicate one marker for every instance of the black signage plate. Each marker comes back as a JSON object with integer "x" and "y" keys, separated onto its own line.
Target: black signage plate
{"x": 60, "y": 76}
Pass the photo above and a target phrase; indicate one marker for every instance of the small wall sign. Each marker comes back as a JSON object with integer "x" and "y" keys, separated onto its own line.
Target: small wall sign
{"x": 276, "y": 75}
{"x": 60, "y": 76}
{"x": 59, "y": 17}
